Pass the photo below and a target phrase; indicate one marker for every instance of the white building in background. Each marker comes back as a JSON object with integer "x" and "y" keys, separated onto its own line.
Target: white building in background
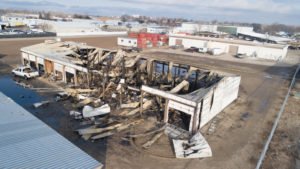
{"x": 250, "y": 35}
{"x": 18, "y": 19}
{"x": 254, "y": 49}
{"x": 76, "y": 27}
{"x": 128, "y": 42}
{"x": 158, "y": 29}
{"x": 14, "y": 20}
{"x": 191, "y": 28}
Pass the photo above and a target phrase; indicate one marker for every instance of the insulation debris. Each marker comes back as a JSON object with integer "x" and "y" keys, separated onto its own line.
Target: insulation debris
{"x": 40, "y": 104}
{"x": 89, "y": 111}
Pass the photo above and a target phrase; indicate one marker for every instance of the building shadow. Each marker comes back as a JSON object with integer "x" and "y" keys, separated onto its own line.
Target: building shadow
{"x": 2, "y": 56}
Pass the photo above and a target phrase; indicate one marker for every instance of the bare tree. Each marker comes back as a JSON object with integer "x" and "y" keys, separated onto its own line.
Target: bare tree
{"x": 46, "y": 27}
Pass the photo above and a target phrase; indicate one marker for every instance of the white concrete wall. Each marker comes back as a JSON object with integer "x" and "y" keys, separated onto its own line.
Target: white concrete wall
{"x": 244, "y": 29}
{"x": 25, "y": 55}
{"x": 260, "y": 51}
{"x": 187, "y": 43}
{"x": 157, "y": 30}
{"x": 129, "y": 42}
{"x": 263, "y": 52}
{"x": 40, "y": 61}
{"x": 224, "y": 93}
{"x": 32, "y": 58}
{"x": 70, "y": 70}
{"x": 209, "y": 28}
{"x": 223, "y": 46}
{"x": 58, "y": 67}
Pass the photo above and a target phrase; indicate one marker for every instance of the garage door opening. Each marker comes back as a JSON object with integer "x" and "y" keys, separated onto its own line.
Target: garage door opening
{"x": 58, "y": 75}
{"x": 70, "y": 78}
{"x": 49, "y": 66}
{"x": 26, "y": 62}
{"x": 41, "y": 69}
{"x": 179, "y": 119}
{"x": 32, "y": 64}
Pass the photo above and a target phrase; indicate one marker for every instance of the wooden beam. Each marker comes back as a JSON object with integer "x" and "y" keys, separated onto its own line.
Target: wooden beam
{"x": 166, "y": 112}
{"x": 141, "y": 102}
{"x": 149, "y": 143}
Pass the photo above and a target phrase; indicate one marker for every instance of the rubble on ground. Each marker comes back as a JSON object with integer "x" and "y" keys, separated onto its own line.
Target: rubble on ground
{"x": 121, "y": 89}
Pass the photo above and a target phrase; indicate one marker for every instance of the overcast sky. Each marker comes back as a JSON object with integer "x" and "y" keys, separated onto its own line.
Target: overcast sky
{"x": 262, "y": 11}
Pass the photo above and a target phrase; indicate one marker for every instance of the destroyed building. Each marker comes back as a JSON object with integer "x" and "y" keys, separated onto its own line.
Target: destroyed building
{"x": 137, "y": 83}
{"x": 66, "y": 61}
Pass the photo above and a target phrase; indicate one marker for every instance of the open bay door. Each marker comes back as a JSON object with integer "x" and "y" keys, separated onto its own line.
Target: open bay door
{"x": 49, "y": 67}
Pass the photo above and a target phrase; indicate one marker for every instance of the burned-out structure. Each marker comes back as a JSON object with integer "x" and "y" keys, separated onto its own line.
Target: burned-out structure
{"x": 64, "y": 61}
{"x": 114, "y": 90}
{"x": 197, "y": 95}
{"x": 133, "y": 84}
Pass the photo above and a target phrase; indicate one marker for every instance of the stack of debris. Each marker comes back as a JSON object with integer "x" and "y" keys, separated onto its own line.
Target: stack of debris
{"x": 119, "y": 89}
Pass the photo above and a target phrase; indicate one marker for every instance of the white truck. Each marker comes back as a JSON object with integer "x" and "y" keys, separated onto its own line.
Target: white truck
{"x": 203, "y": 50}
{"x": 215, "y": 51}
{"x": 25, "y": 72}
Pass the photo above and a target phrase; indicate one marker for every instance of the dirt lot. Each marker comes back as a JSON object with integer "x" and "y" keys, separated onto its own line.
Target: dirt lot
{"x": 241, "y": 129}
{"x": 283, "y": 148}
{"x": 10, "y": 55}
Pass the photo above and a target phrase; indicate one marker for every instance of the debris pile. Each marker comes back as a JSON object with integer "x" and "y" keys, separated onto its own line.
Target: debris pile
{"x": 196, "y": 147}
{"x": 118, "y": 90}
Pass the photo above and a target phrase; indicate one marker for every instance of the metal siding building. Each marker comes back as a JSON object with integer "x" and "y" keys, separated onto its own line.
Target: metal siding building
{"x": 259, "y": 50}
{"x": 27, "y": 142}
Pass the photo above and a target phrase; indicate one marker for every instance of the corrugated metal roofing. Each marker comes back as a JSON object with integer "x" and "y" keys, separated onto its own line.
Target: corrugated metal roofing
{"x": 27, "y": 142}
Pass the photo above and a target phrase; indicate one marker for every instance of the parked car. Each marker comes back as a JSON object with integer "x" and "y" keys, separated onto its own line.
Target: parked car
{"x": 192, "y": 49}
{"x": 25, "y": 72}
{"x": 3, "y": 32}
{"x": 176, "y": 47}
{"x": 240, "y": 55}
{"x": 132, "y": 49}
{"x": 18, "y": 31}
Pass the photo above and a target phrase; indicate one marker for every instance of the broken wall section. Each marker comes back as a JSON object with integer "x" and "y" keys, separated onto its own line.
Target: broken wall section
{"x": 219, "y": 97}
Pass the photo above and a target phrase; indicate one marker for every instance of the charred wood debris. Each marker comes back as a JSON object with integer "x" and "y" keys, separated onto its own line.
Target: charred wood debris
{"x": 108, "y": 97}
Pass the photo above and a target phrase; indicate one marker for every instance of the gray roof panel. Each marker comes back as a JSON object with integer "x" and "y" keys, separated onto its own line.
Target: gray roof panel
{"x": 27, "y": 142}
